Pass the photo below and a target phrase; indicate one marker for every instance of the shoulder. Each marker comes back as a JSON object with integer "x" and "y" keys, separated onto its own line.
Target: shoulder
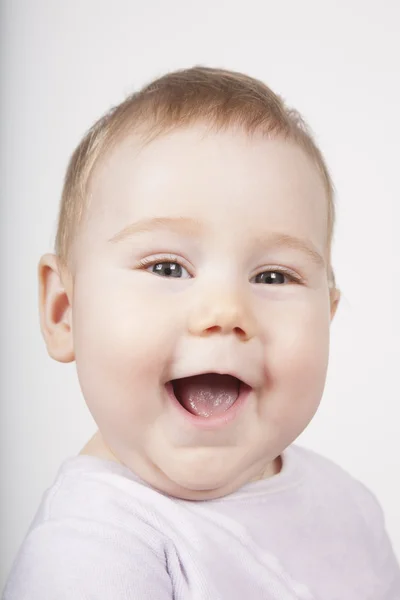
{"x": 336, "y": 487}
{"x": 100, "y": 491}
{"x": 352, "y": 512}
{"x": 94, "y": 533}
{"x": 93, "y": 502}
{"x": 318, "y": 467}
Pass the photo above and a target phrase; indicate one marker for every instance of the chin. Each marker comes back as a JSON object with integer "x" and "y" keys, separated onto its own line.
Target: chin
{"x": 201, "y": 478}
{"x": 188, "y": 490}
{"x": 206, "y": 485}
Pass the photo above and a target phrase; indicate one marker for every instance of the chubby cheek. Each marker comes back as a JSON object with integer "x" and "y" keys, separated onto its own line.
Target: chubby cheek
{"x": 122, "y": 338}
{"x": 296, "y": 362}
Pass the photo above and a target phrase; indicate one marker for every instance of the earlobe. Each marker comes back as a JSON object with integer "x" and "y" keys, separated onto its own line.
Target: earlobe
{"x": 55, "y": 309}
{"x": 335, "y": 299}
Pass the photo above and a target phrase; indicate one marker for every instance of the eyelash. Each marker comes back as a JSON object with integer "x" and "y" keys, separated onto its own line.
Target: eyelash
{"x": 148, "y": 262}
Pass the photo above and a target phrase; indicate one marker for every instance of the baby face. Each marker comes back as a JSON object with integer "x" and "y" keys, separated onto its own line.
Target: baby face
{"x": 202, "y": 253}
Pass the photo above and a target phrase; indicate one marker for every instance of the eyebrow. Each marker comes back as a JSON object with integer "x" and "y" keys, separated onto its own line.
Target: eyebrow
{"x": 193, "y": 227}
{"x": 285, "y": 240}
{"x": 178, "y": 225}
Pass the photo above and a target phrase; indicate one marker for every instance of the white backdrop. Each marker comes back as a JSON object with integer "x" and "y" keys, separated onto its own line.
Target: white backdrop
{"x": 64, "y": 63}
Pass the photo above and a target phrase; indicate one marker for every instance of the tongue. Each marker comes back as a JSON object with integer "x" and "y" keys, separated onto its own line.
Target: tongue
{"x": 207, "y": 395}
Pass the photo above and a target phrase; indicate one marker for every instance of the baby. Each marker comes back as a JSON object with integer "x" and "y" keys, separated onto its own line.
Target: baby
{"x": 192, "y": 284}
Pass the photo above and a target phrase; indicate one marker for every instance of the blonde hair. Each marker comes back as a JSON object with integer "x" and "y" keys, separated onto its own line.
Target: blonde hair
{"x": 221, "y": 98}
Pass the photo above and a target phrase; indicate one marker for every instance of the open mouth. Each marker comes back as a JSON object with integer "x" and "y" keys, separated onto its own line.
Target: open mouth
{"x": 207, "y": 395}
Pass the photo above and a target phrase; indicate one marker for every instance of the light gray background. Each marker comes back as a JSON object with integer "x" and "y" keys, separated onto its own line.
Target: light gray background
{"x": 64, "y": 63}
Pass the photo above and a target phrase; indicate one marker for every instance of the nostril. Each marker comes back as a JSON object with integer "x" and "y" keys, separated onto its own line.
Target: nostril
{"x": 213, "y": 329}
{"x": 218, "y": 329}
{"x": 239, "y": 331}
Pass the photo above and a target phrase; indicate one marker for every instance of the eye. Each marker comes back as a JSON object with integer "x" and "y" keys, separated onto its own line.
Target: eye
{"x": 166, "y": 268}
{"x": 274, "y": 276}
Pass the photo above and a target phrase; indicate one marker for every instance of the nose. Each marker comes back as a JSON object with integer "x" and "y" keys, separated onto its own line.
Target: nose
{"x": 223, "y": 312}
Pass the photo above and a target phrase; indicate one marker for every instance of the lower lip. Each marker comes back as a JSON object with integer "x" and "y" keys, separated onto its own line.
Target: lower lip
{"x": 212, "y": 422}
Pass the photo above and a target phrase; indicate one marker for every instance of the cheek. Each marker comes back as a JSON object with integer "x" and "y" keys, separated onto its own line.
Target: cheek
{"x": 297, "y": 360}
{"x": 122, "y": 334}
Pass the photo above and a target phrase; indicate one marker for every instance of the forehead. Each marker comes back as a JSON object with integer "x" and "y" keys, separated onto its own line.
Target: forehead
{"x": 228, "y": 180}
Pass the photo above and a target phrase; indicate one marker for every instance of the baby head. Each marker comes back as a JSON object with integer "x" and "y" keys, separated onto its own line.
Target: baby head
{"x": 192, "y": 280}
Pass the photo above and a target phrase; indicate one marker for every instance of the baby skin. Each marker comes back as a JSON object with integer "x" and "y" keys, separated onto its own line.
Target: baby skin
{"x": 197, "y": 306}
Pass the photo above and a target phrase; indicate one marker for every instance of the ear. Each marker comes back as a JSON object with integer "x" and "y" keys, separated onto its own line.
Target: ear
{"x": 335, "y": 299}
{"x": 55, "y": 293}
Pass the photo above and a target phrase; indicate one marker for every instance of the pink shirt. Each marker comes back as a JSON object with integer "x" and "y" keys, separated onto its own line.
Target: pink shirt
{"x": 312, "y": 532}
